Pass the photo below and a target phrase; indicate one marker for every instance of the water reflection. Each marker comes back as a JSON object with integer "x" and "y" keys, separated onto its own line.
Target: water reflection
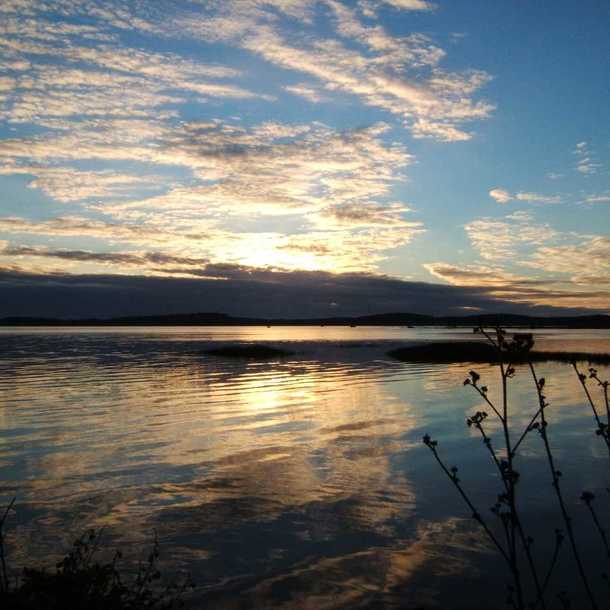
{"x": 299, "y": 482}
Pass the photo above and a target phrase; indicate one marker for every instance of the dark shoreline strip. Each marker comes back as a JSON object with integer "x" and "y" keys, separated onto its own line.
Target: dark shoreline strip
{"x": 473, "y": 351}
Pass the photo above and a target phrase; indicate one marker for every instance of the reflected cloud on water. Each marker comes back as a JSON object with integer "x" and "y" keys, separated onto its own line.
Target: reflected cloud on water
{"x": 299, "y": 481}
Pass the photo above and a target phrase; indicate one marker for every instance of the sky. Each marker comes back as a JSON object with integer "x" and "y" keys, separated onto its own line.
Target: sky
{"x": 304, "y": 157}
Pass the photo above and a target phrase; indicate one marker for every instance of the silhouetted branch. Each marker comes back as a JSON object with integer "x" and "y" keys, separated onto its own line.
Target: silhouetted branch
{"x": 602, "y": 427}
{"x": 556, "y": 474}
{"x": 559, "y": 538}
{"x": 452, "y": 475}
{"x": 4, "y": 575}
{"x": 587, "y": 497}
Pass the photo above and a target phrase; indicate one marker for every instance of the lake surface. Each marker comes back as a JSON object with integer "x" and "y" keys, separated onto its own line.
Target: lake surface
{"x": 300, "y": 482}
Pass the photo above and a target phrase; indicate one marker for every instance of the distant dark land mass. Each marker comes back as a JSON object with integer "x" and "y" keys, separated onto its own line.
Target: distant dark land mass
{"x": 387, "y": 319}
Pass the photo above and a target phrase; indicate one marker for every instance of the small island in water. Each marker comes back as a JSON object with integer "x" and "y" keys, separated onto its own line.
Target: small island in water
{"x": 481, "y": 352}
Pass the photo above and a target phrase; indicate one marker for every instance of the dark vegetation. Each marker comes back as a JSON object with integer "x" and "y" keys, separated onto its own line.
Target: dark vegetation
{"x": 260, "y": 352}
{"x": 482, "y": 352}
{"x": 82, "y": 582}
{"x": 387, "y": 319}
{"x": 529, "y": 577}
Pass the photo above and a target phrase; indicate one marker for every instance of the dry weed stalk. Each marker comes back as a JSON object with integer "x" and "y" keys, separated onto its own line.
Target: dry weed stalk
{"x": 514, "y": 544}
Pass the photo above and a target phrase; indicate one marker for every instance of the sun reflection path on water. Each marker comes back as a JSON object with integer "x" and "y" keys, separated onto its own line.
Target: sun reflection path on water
{"x": 127, "y": 441}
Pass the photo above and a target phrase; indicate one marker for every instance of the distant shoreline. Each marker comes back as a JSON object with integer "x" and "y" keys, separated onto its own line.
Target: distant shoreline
{"x": 597, "y": 321}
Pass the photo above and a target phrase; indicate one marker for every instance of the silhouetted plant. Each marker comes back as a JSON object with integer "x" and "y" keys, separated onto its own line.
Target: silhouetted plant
{"x": 514, "y": 543}
{"x": 80, "y": 582}
{"x": 602, "y": 426}
{"x": 4, "y": 584}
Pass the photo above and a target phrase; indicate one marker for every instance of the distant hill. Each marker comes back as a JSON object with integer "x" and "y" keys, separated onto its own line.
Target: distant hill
{"x": 387, "y": 319}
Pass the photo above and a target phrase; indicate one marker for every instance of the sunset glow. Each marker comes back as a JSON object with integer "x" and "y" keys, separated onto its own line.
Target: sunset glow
{"x": 460, "y": 144}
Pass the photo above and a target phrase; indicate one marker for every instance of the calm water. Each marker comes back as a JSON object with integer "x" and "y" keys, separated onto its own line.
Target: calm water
{"x": 296, "y": 483}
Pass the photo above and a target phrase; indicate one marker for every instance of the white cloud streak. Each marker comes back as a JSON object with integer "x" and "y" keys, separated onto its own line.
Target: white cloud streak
{"x": 585, "y": 163}
{"x": 504, "y": 196}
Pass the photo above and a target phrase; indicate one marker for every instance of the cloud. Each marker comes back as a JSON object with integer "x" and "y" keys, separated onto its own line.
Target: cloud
{"x": 343, "y": 181}
{"x": 472, "y": 275}
{"x": 589, "y": 256}
{"x": 103, "y": 116}
{"x": 585, "y": 163}
{"x": 78, "y": 226}
{"x": 69, "y": 184}
{"x": 433, "y": 103}
{"x": 271, "y": 164}
{"x": 587, "y": 166}
{"x": 157, "y": 259}
{"x": 342, "y": 240}
{"x": 527, "y": 262}
{"x": 503, "y": 239}
{"x": 523, "y": 289}
{"x": 415, "y": 49}
{"x": 434, "y": 110}
{"x": 500, "y": 195}
{"x": 340, "y": 179}
{"x": 115, "y": 82}
{"x": 353, "y": 214}
{"x": 411, "y": 5}
{"x": 105, "y": 125}
{"x": 308, "y": 92}
{"x": 503, "y": 196}
{"x": 537, "y": 198}
{"x": 597, "y": 198}
{"x": 80, "y": 69}
{"x": 245, "y": 291}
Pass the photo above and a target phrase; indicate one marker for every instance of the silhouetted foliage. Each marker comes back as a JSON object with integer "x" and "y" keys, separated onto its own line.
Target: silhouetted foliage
{"x": 80, "y": 582}
{"x": 528, "y": 585}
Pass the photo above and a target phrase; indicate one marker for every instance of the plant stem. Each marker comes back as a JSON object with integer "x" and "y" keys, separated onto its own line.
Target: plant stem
{"x": 4, "y": 579}
{"x": 600, "y": 529}
{"x": 475, "y": 513}
{"x": 522, "y": 536}
{"x": 602, "y": 428}
{"x": 511, "y": 486}
{"x": 547, "y": 578}
{"x": 554, "y": 473}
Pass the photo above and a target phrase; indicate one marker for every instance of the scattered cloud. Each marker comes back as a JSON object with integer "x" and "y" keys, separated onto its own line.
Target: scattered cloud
{"x": 411, "y": 5}
{"x": 522, "y": 288}
{"x": 500, "y": 195}
{"x": 503, "y": 239}
{"x": 308, "y": 92}
{"x": 150, "y": 263}
{"x": 598, "y": 198}
{"x": 472, "y": 275}
{"x": 432, "y": 102}
{"x": 69, "y": 184}
{"x": 136, "y": 138}
{"x": 102, "y": 127}
{"x": 524, "y": 261}
{"x": 503, "y": 196}
{"x": 585, "y": 162}
{"x": 276, "y": 167}
{"x": 79, "y": 227}
{"x": 589, "y": 256}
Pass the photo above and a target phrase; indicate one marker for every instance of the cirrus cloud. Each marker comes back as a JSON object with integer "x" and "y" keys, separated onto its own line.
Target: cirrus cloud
{"x": 504, "y": 196}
